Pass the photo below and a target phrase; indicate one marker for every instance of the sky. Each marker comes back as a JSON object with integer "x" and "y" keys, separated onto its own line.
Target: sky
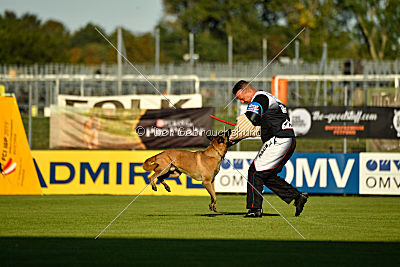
{"x": 138, "y": 16}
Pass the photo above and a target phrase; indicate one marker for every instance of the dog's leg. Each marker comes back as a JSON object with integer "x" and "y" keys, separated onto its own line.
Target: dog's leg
{"x": 215, "y": 196}
{"x": 152, "y": 179}
{"x": 210, "y": 188}
{"x": 166, "y": 186}
{"x": 163, "y": 167}
{"x": 175, "y": 174}
{"x": 161, "y": 179}
{"x": 158, "y": 172}
{"x": 172, "y": 174}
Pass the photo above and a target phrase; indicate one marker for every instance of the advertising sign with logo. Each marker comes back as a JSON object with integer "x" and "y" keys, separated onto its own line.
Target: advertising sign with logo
{"x": 380, "y": 173}
{"x": 128, "y": 128}
{"x": 132, "y": 101}
{"x": 362, "y": 122}
{"x": 330, "y": 173}
{"x": 17, "y": 172}
{"x": 105, "y": 172}
{"x": 233, "y": 172}
{"x": 175, "y": 127}
{"x": 121, "y": 172}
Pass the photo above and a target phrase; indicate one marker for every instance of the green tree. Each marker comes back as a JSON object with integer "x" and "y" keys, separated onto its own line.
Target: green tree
{"x": 322, "y": 25}
{"x": 87, "y": 46}
{"x": 86, "y": 35}
{"x": 58, "y": 39}
{"x": 212, "y": 23}
{"x": 377, "y": 25}
{"x": 25, "y": 40}
{"x": 139, "y": 48}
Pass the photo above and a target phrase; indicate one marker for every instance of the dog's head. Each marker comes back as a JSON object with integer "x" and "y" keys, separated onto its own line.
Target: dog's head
{"x": 220, "y": 141}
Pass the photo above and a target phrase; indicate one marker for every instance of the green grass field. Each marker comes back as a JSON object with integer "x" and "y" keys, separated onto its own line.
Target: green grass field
{"x": 163, "y": 230}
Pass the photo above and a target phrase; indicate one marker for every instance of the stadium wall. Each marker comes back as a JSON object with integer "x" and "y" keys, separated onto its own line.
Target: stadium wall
{"x": 121, "y": 173}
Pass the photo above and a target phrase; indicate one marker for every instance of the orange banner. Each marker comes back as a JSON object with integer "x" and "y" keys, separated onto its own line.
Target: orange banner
{"x": 18, "y": 175}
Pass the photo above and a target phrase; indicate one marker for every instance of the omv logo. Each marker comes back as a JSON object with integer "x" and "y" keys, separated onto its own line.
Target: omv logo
{"x": 382, "y": 165}
{"x": 8, "y": 168}
{"x": 372, "y": 165}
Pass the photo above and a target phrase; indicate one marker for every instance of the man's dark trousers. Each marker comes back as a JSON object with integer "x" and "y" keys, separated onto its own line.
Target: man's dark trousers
{"x": 270, "y": 179}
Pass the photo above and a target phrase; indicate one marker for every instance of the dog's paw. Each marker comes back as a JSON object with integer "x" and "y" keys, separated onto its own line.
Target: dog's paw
{"x": 213, "y": 207}
{"x": 167, "y": 188}
{"x": 154, "y": 187}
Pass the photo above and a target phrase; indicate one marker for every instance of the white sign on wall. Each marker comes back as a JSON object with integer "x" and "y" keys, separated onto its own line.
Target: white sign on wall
{"x": 132, "y": 101}
{"x": 230, "y": 177}
{"x": 380, "y": 173}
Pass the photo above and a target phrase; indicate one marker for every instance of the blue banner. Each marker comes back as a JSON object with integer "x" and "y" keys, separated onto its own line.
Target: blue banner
{"x": 325, "y": 173}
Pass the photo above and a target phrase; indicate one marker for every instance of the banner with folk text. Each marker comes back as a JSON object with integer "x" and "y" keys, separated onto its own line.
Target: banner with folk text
{"x": 98, "y": 128}
{"x": 132, "y": 101}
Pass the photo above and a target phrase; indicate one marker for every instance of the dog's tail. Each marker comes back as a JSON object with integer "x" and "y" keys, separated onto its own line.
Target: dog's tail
{"x": 150, "y": 164}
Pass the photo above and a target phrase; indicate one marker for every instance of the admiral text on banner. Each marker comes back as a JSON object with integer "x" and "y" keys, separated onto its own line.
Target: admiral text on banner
{"x": 104, "y": 172}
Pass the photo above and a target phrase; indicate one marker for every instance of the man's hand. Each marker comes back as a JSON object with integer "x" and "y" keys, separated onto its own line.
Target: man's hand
{"x": 244, "y": 128}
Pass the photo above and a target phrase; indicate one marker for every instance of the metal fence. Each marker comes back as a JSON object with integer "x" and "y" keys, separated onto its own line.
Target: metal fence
{"x": 310, "y": 90}
{"x": 247, "y": 69}
{"x": 338, "y": 83}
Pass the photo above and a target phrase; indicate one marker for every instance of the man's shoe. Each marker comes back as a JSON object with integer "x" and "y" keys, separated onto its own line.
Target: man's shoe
{"x": 254, "y": 213}
{"x": 300, "y": 202}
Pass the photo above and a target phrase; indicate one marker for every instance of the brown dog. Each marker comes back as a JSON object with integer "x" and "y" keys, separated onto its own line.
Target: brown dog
{"x": 199, "y": 165}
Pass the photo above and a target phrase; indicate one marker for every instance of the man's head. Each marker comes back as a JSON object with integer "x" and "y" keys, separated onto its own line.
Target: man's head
{"x": 244, "y": 91}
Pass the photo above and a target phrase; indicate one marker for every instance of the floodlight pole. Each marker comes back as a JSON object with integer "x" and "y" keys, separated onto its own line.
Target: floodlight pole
{"x": 119, "y": 61}
{"x": 30, "y": 117}
{"x": 325, "y": 49}
{"x": 264, "y": 47}
{"x": 230, "y": 66}
{"x": 297, "y": 44}
{"x": 191, "y": 51}
{"x": 157, "y": 56}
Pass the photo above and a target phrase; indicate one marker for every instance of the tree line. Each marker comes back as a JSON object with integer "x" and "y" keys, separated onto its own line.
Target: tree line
{"x": 357, "y": 29}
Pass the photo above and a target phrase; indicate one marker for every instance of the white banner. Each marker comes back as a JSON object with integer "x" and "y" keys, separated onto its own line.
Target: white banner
{"x": 132, "y": 101}
{"x": 380, "y": 173}
{"x": 229, "y": 180}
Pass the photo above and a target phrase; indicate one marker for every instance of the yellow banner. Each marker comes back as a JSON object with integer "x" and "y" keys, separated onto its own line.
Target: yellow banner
{"x": 105, "y": 172}
{"x": 18, "y": 175}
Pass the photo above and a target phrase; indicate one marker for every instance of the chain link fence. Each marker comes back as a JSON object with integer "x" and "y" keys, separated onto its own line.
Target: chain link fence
{"x": 344, "y": 83}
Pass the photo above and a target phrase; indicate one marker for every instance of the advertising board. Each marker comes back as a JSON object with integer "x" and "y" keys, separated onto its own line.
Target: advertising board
{"x": 380, "y": 173}
{"x": 104, "y": 172}
{"x": 330, "y": 173}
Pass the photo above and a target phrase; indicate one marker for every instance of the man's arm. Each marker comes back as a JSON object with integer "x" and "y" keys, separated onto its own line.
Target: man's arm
{"x": 256, "y": 109}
